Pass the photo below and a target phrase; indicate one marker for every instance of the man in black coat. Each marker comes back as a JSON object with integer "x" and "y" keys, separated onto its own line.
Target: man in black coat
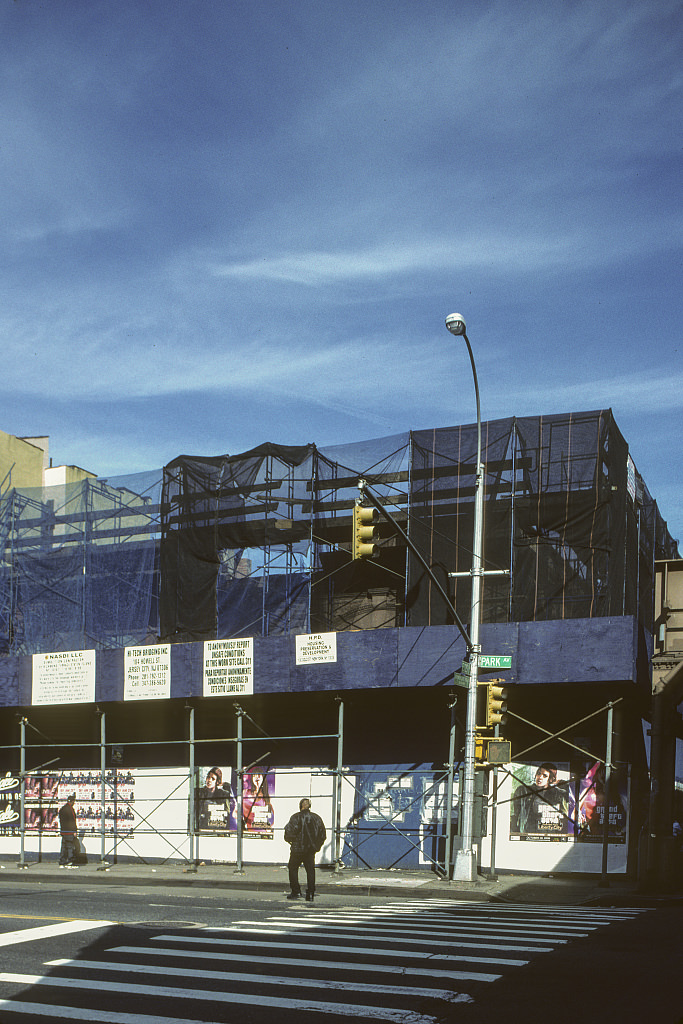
{"x": 68, "y": 827}
{"x": 305, "y": 833}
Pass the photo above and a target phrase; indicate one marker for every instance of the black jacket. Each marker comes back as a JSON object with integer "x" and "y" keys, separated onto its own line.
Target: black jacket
{"x": 305, "y": 831}
{"x": 67, "y": 820}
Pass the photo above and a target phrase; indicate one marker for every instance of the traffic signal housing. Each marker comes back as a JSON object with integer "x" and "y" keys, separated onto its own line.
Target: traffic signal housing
{"x": 365, "y": 534}
{"x": 496, "y": 706}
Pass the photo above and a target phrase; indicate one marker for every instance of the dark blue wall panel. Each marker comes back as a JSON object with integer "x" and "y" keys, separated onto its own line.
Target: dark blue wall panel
{"x": 568, "y": 651}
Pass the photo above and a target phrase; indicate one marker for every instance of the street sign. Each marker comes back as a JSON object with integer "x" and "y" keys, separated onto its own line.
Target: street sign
{"x": 493, "y": 661}
{"x": 461, "y": 680}
{"x": 466, "y": 668}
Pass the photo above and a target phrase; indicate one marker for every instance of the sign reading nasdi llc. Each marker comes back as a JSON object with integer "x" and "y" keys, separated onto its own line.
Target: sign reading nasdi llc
{"x": 63, "y": 677}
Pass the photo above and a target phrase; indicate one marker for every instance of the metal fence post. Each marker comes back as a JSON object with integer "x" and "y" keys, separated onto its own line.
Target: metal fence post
{"x": 448, "y": 853}
{"x": 22, "y": 791}
{"x": 337, "y": 790}
{"x": 103, "y": 791}
{"x": 191, "y": 805}
{"x": 604, "y": 881}
{"x": 239, "y": 795}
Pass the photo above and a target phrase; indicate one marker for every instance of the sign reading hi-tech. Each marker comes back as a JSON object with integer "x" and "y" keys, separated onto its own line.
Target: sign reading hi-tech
{"x": 147, "y": 672}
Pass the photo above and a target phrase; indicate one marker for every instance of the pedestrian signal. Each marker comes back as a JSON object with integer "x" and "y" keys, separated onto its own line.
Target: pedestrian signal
{"x": 498, "y": 751}
{"x": 496, "y": 705}
{"x": 364, "y": 532}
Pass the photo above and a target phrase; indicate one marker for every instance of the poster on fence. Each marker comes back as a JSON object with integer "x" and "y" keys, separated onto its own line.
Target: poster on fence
{"x": 10, "y": 805}
{"x": 540, "y": 805}
{"x": 588, "y": 806}
{"x": 216, "y": 803}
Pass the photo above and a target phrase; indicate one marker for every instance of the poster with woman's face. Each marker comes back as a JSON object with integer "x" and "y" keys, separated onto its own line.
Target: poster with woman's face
{"x": 258, "y": 789}
{"x": 588, "y": 806}
{"x": 539, "y": 809}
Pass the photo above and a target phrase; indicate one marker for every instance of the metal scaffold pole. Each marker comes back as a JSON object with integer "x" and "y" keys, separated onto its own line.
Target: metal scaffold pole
{"x": 337, "y": 790}
{"x": 103, "y": 793}
{"x": 22, "y": 791}
{"x": 193, "y": 859}
{"x": 448, "y": 811}
{"x": 604, "y": 880}
{"x": 239, "y": 795}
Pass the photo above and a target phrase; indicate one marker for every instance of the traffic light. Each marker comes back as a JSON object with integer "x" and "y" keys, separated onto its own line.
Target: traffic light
{"x": 496, "y": 706}
{"x": 364, "y": 531}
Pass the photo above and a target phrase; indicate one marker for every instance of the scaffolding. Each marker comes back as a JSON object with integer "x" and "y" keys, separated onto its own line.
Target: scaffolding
{"x": 260, "y": 543}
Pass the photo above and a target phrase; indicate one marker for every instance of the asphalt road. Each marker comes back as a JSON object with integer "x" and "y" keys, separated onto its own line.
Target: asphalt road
{"x": 164, "y": 956}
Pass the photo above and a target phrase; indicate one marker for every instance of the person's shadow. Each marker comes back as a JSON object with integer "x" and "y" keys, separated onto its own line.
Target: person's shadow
{"x": 80, "y": 856}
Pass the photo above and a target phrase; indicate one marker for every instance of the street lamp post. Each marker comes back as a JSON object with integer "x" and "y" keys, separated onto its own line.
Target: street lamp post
{"x": 465, "y": 860}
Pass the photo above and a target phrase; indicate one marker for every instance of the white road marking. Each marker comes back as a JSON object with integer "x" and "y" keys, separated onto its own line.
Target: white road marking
{"x": 404, "y": 954}
{"x": 49, "y": 931}
{"x": 331, "y": 965}
{"x": 316, "y": 983}
{"x": 57, "y": 1012}
{"x": 399, "y": 1016}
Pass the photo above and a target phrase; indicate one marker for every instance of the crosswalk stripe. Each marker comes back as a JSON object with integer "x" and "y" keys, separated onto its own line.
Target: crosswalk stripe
{"x": 491, "y": 910}
{"x": 408, "y": 920}
{"x": 166, "y": 991}
{"x": 369, "y": 928}
{"x": 405, "y": 954}
{"x": 331, "y": 965}
{"x": 56, "y": 1012}
{"x": 485, "y": 939}
{"x": 49, "y": 931}
{"x": 318, "y": 983}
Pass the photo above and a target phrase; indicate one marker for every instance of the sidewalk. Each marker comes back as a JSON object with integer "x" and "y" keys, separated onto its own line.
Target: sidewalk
{"x": 560, "y": 891}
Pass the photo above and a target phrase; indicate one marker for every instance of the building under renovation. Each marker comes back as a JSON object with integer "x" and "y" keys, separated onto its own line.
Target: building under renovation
{"x": 190, "y": 651}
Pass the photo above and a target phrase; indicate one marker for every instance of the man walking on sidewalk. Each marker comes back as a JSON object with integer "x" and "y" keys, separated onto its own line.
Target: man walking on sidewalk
{"x": 305, "y": 832}
{"x": 69, "y": 828}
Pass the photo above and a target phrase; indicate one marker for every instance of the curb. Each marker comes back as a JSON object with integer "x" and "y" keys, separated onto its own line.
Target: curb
{"x": 108, "y": 876}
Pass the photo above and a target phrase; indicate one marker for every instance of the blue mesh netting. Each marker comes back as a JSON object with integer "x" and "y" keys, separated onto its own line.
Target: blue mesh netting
{"x": 259, "y": 543}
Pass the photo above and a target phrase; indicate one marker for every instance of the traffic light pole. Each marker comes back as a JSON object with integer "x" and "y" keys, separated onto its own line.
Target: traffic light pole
{"x": 465, "y": 859}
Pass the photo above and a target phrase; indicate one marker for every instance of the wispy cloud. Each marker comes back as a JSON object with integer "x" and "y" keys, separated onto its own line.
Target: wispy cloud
{"x": 210, "y": 210}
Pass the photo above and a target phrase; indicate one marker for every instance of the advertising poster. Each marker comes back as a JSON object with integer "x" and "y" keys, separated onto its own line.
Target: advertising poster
{"x": 45, "y": 793}
{"x": 41, "y": 802}
{"x": 119, "y": 790}
{"x": 258, "y": 790}
{"x": 10, "y": 804}
{"x": 540, "y": 805}
{"x": 216, "y": 803}
{"x": 588, "y": 806}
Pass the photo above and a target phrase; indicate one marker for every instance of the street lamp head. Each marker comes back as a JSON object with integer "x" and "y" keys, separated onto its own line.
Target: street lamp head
{"x": 456, "y": 324}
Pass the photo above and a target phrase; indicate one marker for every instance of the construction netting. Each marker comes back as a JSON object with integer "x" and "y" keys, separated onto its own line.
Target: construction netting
{"x": 261, "y": 543}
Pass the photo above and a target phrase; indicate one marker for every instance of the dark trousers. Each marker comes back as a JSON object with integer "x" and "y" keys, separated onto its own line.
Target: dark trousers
{"x": 296, "y": 859}
{"x": 66, "y": 854}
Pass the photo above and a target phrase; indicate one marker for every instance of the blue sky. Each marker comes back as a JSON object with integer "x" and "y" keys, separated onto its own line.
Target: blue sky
{"x": 228, "y": 222}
